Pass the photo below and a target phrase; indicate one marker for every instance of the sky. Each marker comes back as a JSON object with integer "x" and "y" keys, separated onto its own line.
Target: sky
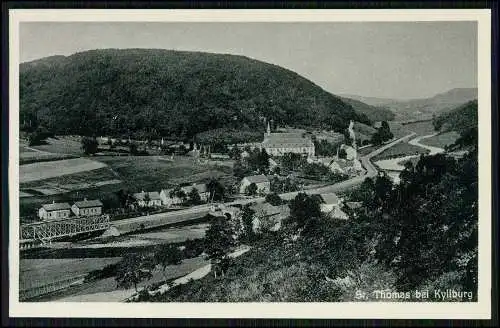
{"x": 399, "y": 60}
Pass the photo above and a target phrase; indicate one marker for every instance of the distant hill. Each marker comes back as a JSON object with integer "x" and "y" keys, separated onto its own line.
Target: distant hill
{"x": 153, "y": 92}
{"x": 373, "y": 113}
{"x": 429, "y": 107}
{"x": 371, "y": 101}
{"x": 420, "y": 109}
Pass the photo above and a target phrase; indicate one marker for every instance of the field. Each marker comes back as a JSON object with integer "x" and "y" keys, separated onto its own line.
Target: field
{"x": 151, "y": 173}
{"x": 37, "y": 272}
{"x": 399, "y": 150}
{"x": 113, "y": 173}
{"x": 441, "y": 140}
{"x": 91, "y": 291}
{"x": 46, "y": 170}
{"x": 62, "y": 145}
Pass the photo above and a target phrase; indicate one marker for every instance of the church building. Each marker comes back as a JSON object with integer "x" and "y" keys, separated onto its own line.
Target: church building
{"x": 278, "y": 144}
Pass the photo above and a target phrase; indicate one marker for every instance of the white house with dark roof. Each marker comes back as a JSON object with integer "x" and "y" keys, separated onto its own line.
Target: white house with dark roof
{"x": 262, "y": 182}
{"x": 87, "y": 207}
{"x": 54, "y": 211}
{"x": 147, "y": 199}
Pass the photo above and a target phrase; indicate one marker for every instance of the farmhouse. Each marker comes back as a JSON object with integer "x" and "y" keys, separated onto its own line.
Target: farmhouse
{"x": 54, "y": 211}
{"x": 87, "y": 208}
{"x": 268, "y": 217}
{"x": 147, "y": 199}
{"x": 261, "y": 181}
{"x": 169, "y": 199}
{"x": 278, "y": 144}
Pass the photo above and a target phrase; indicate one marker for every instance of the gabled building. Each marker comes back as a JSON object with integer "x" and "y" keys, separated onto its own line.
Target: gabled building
{"x": 278, "y": 144}
{"x": 268, "y": 217}
{"x": 87, "y": 208}
{"x": 54, "y": 211}
{"x": 329, "y": 201}
{"x": 147, "y": 199}
{"x": 261, "y": 181}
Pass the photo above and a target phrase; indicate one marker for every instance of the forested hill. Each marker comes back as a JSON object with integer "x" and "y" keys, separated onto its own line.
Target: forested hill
{"x": 464, "y": 120}
{"x": 152, "y": 93}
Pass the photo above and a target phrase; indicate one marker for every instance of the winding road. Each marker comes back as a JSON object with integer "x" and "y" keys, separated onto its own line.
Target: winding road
{"x": 395, "y": 164}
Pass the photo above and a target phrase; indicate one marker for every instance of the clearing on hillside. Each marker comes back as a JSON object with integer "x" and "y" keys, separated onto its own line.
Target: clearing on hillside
{"x": 46, "y": 170}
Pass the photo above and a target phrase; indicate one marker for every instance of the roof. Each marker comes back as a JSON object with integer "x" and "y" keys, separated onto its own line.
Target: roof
{"x": 269, "y": 209}
{"x": 56, "y": 206}
{"x": 153, "y": 195}
{"x": 353, "y": 205}
{"x": 337, "y": 213}
{"x": 257, "y": 178}
{"x": 286, "y": 140}
{"x": 88, "y": 203}
{"x": 330, "y": 198}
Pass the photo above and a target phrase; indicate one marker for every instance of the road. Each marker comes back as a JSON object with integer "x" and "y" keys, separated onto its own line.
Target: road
{"x": 197, "y": 212}
{"x": 432, "y": 150}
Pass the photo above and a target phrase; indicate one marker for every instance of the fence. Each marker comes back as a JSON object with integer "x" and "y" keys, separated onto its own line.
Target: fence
{"x": 29, "y": 293}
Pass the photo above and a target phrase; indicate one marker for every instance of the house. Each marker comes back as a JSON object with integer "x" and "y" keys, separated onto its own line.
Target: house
{"x": 54, "y": 211}
{"x": 268, "y": 217}
{"x": 147, "y": 199}
{"x": 262, "y": 182}
{"x": 329, "y": 201}
{"x": 352, "y": 208}
{"x": 169, "y": 200}
{"x": 87, "y": 207}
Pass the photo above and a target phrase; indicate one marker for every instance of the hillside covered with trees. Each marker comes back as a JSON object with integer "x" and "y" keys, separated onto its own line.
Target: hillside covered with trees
{"x": 151, "y": 93}
{"x": 464, "y": 120}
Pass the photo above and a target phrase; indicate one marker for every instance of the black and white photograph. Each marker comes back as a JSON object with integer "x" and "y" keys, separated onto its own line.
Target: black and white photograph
{"x": 195, "y": 162}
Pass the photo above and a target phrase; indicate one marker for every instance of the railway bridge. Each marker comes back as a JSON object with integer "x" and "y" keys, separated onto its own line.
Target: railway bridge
{"x": 35, "y": 234}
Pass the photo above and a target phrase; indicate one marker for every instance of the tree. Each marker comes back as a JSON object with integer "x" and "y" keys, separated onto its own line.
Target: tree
{"x": 218, "y": 241}
{"x": 247, "y": 219}
{"x": 194, "y": 196}
{"x": 251, "y": 189}
{"x": 167, "y": 255}
{"x": 132, "y": 269}
{"x": 304, "y": 210}
{"x": 177, "y": 192}
{"x": 383, "y": 134}
{"x": 133, "y": 149}
{"x": 89, "y": 145}
{"x": 216, "y": 190}
{"x": 147, "y": 199}
{"x": 274, "y": 199}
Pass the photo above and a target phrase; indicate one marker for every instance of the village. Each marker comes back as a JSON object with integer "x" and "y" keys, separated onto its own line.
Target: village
{"x": 285, "y": 154}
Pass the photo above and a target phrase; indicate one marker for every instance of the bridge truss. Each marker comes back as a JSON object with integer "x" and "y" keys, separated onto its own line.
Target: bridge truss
{"x": 47, "y": 230}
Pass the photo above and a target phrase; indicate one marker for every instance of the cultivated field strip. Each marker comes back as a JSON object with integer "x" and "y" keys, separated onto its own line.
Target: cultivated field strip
{"x": 46, "y": 170}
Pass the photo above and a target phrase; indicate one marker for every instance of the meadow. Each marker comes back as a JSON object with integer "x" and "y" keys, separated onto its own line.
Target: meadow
{"x": 442, "y": 140}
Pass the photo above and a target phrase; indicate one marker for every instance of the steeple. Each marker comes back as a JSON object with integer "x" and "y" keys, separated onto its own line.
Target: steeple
{"x": 268, "y": 129}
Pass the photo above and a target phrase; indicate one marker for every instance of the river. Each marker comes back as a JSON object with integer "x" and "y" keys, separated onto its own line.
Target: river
{"x": 394, "y": 166}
